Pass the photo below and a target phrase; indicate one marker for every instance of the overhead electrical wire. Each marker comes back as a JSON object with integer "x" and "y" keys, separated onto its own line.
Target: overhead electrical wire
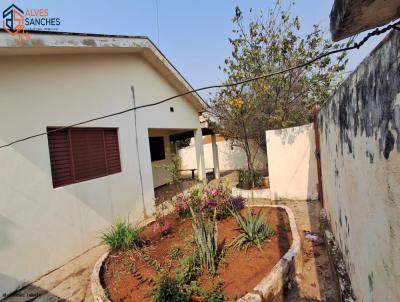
{"x": 355, "y": 45}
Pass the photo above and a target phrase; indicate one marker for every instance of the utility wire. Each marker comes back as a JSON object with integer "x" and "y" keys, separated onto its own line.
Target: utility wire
{"x": 355, "y": 45}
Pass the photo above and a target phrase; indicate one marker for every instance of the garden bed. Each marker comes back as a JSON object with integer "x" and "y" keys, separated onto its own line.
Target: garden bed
{"x": 239, "y": 270}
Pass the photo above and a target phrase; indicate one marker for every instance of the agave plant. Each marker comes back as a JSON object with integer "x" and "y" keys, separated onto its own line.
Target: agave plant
{"x": 253, "y": 231}
{"x": 206, "y": 237}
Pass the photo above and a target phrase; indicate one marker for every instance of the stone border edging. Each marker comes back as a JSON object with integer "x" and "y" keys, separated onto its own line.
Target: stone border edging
{"x": 270, "y": 286}
{"x": 273, "y": 283}
{"x": 257, "y": 193}
{"x": 97, "y": 289}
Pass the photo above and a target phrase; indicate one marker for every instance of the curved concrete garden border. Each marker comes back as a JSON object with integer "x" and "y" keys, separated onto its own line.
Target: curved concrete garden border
{"x": 268, "y": 288}
{"x": 256, "y": 193}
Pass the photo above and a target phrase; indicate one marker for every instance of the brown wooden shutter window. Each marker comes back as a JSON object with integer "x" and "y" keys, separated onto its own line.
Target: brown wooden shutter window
{"x": 79, "y": 154}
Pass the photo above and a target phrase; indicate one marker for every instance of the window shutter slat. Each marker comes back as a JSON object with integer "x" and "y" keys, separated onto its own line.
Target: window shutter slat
{"x": 88, "y": 153}
{"x": 60, "y": 158}
{"x": 112, "y": 150}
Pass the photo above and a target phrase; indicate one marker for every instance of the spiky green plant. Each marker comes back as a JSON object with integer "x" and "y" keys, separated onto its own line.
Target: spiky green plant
{"x": 253, "y": 231}
{"x": 122, "y": 236}
{"x": 205, "y": 233}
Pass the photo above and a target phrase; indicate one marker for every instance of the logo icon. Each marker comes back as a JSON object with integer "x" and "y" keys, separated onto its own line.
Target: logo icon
{"x": 13, "y": 21}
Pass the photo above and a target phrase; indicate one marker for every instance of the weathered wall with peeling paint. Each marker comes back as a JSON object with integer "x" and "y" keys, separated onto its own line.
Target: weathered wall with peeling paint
{"x": 360, "y": 154}
{"x": 292, "y": 163}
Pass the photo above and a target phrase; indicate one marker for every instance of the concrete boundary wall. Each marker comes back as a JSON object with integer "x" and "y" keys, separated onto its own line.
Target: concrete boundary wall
{"x": 230, "y": 158}
{"x": 292, "y": 163}
{"x": 360, "y": 158}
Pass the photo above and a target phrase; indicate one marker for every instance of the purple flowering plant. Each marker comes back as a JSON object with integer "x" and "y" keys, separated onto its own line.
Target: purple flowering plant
{"x": 206, "y": 200}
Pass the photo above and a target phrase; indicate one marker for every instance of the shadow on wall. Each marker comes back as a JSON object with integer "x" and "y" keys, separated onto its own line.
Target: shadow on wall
{"x": 6, "y": 226}
{"x": 30, "y": 182}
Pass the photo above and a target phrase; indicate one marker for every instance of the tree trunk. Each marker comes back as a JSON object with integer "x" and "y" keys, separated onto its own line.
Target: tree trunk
{"x": 248, "y": 156}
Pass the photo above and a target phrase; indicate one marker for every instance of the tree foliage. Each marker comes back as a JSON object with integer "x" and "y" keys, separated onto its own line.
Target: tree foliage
{"x": 272, "y": 42}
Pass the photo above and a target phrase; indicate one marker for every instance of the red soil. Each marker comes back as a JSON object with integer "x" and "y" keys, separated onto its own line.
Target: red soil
{"x": 241, "y": 271}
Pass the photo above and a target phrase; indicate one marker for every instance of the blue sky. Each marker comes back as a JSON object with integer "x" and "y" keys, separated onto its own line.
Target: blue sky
{"x": 193, "y": 34}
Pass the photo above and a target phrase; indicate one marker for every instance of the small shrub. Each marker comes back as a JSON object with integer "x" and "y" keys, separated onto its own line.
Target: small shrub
{"x": 245, "y": 177}
{"x": 182, "y": 206}
{"x": 174, "y": 252}
{"x": 253, "y": 231}
{"x": 216, "y": 200}
{"x": 161, "y": 224}
{"x": 205, "y": 200}
{"x": 168, "y": 289}
{"x": 257, "y": 179}
{"x": 188, "y": 269}
{"x": 242, "y": 176}
{"x": 205, "y": 233}
{"x": 123, "y": 236}
{"x": 216, "y": 294}
{"x": 237, "y": 203}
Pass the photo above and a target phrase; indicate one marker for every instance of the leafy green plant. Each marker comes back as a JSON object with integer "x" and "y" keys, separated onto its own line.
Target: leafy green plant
{"x": 123, "y": 236}
{"x": 246, "y": 177}
{"x": 168, "y": 289}
{"x": 205, "y": 233}
{"x": 188, "y": 269}
{"x": 173, "y": 168}
{"x": 174, "y": 252}
{"x": 215, "y": 294}
{"x": 253, "y": 231}
{"x": 257, "y": 178}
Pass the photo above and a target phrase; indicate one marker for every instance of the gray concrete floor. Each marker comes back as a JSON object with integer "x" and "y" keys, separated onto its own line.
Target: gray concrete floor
{"x": 71, "y": 282}
{"x": 316, "y": 282}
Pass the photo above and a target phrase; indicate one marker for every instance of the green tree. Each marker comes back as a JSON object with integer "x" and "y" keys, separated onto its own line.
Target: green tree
{"x": 268, "y": 43}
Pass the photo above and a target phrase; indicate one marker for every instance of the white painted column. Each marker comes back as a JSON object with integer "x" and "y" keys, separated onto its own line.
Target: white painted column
{"x": 201, "y": 169}
{"x": 215, "y": 155}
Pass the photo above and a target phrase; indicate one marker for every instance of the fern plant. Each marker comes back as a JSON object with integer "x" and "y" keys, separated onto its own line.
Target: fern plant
{"x": 253, "y": 231}
{"x": 206, "y": 237}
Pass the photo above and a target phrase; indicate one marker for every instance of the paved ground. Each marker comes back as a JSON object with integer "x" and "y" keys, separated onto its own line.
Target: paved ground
{"x": 315, "y": 283}
{"x": 68, "y": 283}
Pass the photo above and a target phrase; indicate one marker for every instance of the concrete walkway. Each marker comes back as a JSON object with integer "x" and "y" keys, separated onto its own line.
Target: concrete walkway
{"x": 316, "y": 282}
{"x": 71, "y": 282}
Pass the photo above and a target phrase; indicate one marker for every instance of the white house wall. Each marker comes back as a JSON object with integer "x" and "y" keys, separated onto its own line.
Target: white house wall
{"x": 292, "y": 164}
{"x": 41, "y": 228}
{"x": 230, "y": 158}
